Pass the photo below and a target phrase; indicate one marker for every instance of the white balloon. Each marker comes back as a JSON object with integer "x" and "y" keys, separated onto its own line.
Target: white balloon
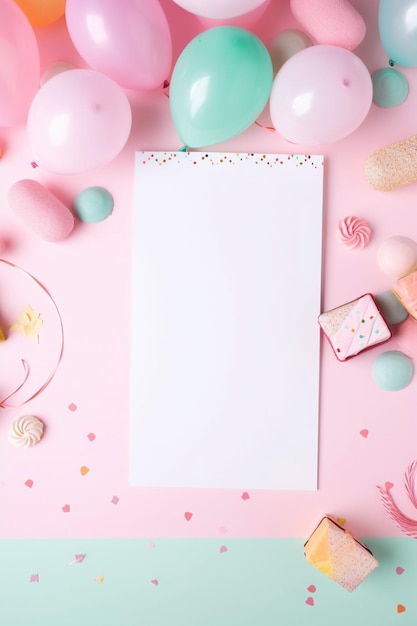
{"x": 285, "y": 44}
{"x": 219, "y": 9}
{"x": 54, "y": 69}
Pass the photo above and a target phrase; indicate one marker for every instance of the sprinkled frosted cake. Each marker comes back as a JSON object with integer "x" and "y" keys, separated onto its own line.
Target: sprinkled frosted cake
{"x": 354, "y": 327}
{"x": 335, "y": 552}
{"x": 405, "y": 289}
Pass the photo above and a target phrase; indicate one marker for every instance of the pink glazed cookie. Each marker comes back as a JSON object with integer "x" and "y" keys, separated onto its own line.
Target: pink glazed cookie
{"x": 354, "y": 327}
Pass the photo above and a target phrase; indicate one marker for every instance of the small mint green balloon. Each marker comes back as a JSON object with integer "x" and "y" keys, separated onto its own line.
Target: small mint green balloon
{"x": 220, "y": 84}
{"x": 392, "y": 370}
{"x": 93, "y": 204}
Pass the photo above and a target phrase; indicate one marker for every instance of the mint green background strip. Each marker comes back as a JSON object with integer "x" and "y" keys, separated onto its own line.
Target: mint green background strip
{"x": 255, "y": 582}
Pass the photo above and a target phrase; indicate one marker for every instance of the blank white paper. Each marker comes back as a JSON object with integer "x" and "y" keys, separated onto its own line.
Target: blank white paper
{"x": 226, "y": 289}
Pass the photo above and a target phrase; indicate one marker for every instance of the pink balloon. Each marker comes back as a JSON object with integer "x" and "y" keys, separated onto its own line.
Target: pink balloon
{"x": 320, "y": 95}
{"x": 79, "y": 120}
{"x": 19, "y": 64}
{"x": 129, "y": 40}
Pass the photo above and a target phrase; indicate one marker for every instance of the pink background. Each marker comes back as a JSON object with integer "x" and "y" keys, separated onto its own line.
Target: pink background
{"x": 88, "y": 276}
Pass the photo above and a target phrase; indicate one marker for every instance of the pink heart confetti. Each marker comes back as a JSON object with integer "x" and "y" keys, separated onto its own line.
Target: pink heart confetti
{"x": 66, "y": 508}
{"x": 150, "y": 545}
{"x": 155, "y": 582}
{"x": 399, "y": 570}
{"x": 245, "y": 495}
{"x": 388, "y": 486}
{"x": 91, "y": 436}
{"x": 34, "y": 578}
{"x": 222, "y": 549}
{"x": 364, "y": 432}
{"x": 72, "y": 407}
{"x": 188, "y": 516}
{"x": 29, "y": 483}
{"x": 310, "y": 601}
{"x": 79, "y": 558}
{"x": 311, "y": 588}
{"x": 115, "y": 500}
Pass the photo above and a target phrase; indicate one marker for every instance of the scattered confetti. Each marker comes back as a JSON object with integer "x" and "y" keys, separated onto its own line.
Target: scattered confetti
{"x": 66, "y": 508}
{"x": 245, "y": 495}
{"x": 150, "y": 545}
{"x": 79, "y": 558}
{"x": 84, "y": 470}
{"x": 72, "y": 407}
{"x": 2, "y": 335}
{"x": 364, "y": 432}
{"x": 188, "y": 516}
{"x": 222, "y": 549}
{"x": 399, "y": 570}
{"x": 28, "y": 323}
{"x": 341, "y": 521}
{"x": 29, "y": 483}
{"x": 310, "y": 601}
{"x": 34, "y": 578}
{"x": 99, "y": 579}
{"x": 91, "y": 436}
{"x": 115, "y": 500}
{"x": 311, "y": 588}
{"x": 155, "y": 582}
{"x": 400, "y": 608}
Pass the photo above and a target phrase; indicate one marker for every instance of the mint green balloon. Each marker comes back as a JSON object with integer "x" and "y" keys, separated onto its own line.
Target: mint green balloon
{"x": 398, "y": 30}
{"x": 219, "y": 86}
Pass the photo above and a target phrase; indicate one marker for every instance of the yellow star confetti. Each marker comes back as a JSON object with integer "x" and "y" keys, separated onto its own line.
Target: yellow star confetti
{"x": 28, "y": 323}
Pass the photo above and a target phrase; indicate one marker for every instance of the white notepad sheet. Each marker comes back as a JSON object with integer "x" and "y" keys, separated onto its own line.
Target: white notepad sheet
{"x": 226, "y": 290}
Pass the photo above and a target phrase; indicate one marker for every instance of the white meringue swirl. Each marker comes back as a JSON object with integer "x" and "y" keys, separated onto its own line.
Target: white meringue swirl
{"x": 353, "y": 232}
{"x": 26, "y": 431}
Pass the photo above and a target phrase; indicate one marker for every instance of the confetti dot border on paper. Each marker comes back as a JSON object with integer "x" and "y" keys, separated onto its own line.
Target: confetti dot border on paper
{"x": 231, "y": 159}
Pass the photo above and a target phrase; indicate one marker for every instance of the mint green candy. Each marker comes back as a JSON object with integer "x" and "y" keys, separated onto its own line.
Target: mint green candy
{"x": 392, "y": 370}
{"x": 93, "y": 204}
{"x": 390, "y": 88}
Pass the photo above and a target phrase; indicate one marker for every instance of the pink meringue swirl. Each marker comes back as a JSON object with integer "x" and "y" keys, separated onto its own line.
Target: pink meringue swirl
{"x": 353, "y": 232}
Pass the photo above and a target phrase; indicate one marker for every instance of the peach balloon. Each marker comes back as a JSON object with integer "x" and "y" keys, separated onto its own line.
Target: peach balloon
{"x": 42, "y": 12}
{"x": 397, "y": 256}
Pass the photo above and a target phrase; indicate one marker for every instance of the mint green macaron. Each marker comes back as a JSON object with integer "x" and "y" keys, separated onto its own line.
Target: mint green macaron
{"x": 392, "y": 370}
{"x": 93, "y": 204}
